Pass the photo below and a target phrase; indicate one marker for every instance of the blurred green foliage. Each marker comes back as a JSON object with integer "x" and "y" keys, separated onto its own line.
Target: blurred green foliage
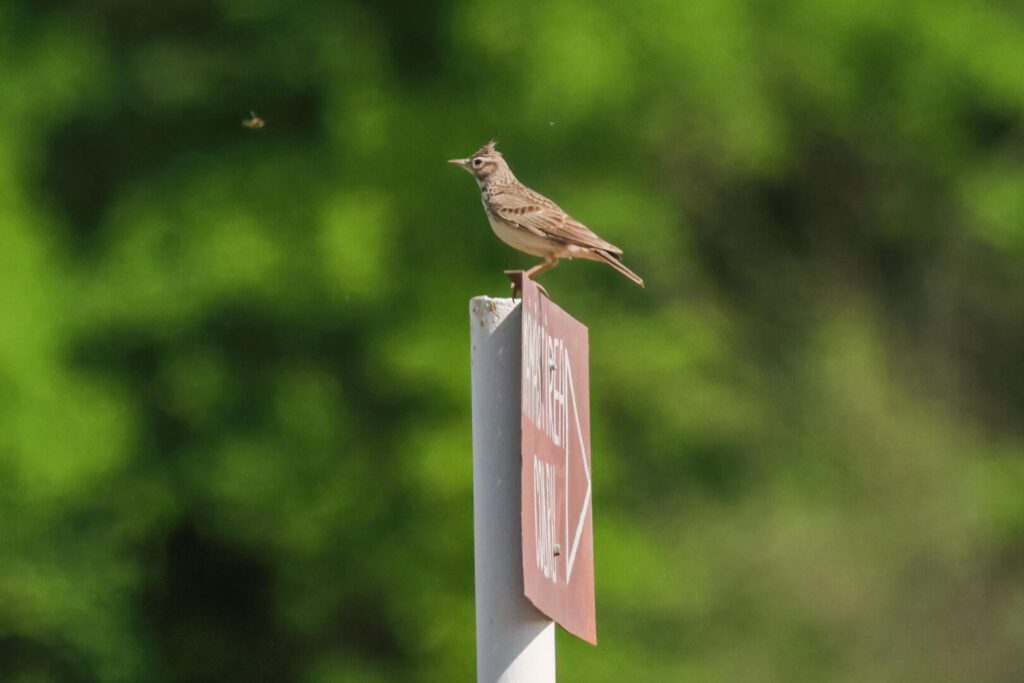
{"x": 234, "y": 388}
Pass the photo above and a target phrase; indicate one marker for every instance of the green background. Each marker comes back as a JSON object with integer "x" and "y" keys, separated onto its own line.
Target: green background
{"x": 234, "y": 379}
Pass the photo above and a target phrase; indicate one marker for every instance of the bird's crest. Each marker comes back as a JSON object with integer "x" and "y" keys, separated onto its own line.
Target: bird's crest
{"x": 488, "y": 149}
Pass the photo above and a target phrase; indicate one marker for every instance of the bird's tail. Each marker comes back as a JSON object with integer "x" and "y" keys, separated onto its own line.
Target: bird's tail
{"x": 619, "y": 266}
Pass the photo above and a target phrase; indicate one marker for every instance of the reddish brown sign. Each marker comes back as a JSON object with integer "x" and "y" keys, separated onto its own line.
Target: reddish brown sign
{"x": 558, "y": 541}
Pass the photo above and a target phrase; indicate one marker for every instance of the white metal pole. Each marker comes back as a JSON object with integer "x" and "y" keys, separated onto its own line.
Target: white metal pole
{"x": 515, "y": 643}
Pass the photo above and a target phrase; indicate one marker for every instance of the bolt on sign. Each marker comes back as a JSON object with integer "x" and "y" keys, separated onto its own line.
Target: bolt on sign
{"x": 558, "y": 540}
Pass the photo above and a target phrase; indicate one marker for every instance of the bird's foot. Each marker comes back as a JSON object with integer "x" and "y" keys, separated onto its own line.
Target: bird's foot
{"x": 515, "y": 278}
{"x": 516, "y": 281}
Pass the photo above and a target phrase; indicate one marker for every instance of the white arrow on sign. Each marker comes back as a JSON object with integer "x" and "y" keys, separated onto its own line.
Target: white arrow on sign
{"x": 586, "y": 471}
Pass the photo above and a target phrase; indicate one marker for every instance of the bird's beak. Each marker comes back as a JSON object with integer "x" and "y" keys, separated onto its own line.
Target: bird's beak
{"x": 459, "y": 162}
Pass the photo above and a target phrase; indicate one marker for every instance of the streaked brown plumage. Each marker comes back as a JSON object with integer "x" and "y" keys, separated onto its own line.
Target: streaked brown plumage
{"x": 532, "y": 223}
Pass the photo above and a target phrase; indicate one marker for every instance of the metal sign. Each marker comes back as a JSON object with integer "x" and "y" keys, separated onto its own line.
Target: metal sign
{"x": 558, "y": 542}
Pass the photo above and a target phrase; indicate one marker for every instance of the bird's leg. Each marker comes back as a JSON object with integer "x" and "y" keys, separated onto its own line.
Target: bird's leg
{"x": 549, "y": 263}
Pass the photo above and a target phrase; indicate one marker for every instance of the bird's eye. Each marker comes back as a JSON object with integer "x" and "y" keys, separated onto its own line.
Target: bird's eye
{"x": 478, "y": 162}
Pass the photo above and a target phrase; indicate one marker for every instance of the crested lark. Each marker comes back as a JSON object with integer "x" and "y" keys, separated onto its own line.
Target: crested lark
{"x": 532, "y": 223}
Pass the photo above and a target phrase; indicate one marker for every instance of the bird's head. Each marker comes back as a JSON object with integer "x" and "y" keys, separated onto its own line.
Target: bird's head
{"x": 484, "y": 163}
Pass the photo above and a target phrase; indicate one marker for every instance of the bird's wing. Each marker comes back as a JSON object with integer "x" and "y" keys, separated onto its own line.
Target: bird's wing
{"x": 541, "y": 216}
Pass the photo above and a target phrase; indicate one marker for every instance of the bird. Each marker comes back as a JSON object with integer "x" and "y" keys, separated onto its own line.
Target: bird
{"x": 530, "y": 222}
{"x": 253, "y": 122}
